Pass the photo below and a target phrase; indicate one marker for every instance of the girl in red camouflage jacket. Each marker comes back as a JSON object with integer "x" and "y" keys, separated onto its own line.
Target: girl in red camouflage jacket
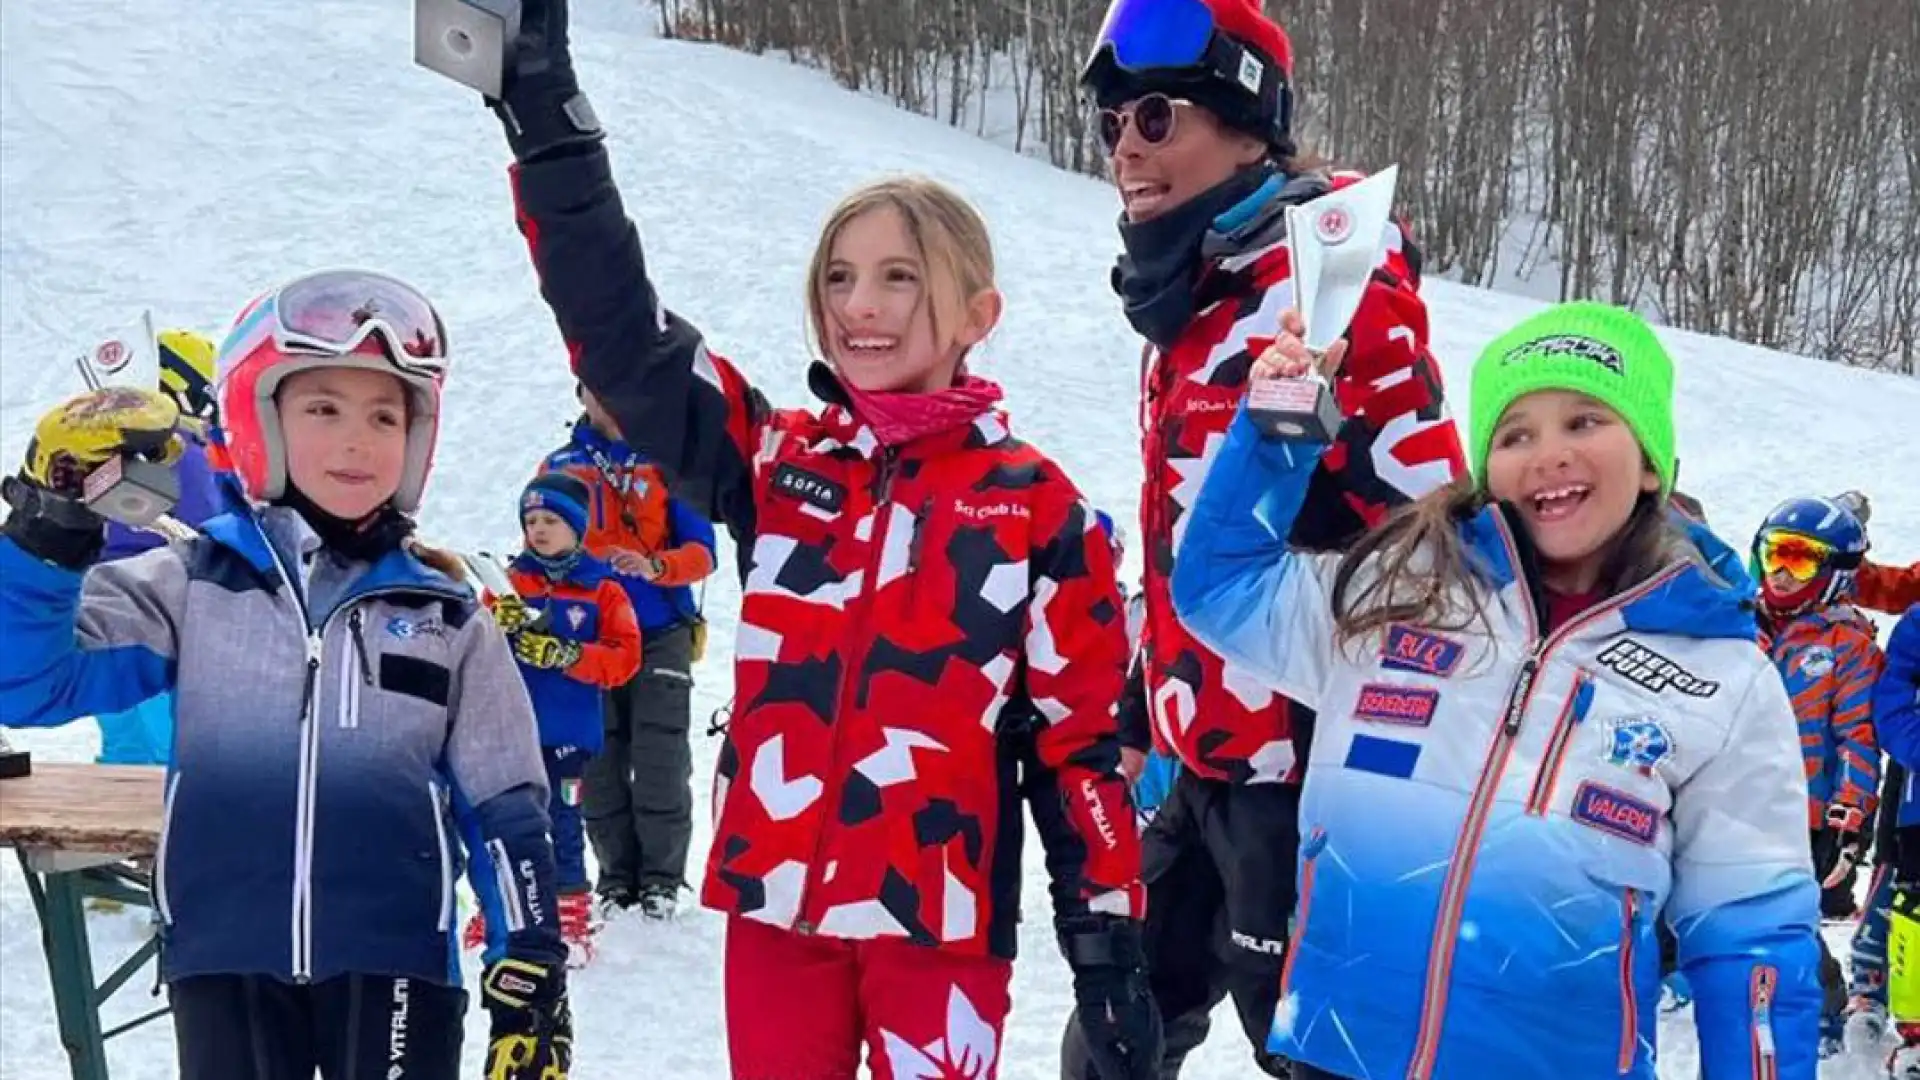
{"x": 919, "y": 585}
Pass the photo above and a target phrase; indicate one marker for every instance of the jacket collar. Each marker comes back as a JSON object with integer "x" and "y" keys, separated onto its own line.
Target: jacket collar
{"x": 1704, "y": 595}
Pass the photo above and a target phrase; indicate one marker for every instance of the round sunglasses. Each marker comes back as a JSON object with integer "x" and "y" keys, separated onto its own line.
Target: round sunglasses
{"x": 1152, "y": 115}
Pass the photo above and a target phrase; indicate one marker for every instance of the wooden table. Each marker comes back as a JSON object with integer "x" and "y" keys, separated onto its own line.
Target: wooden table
{"x": 75, "y": 829}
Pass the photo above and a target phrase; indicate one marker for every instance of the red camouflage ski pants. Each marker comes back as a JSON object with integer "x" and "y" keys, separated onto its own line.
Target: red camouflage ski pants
{"x": 799, "y": 1007}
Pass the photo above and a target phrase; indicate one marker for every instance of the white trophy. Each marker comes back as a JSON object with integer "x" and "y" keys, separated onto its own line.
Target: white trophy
{"x": 1335, "y": 243}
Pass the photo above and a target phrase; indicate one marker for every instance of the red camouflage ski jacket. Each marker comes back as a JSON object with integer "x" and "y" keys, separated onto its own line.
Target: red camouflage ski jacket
{"x": 1225, "y": 724}
{"x": 906, "y": 614}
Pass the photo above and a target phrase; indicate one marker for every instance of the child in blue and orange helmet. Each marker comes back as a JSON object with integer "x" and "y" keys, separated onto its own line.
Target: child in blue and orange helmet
{"x": 1805, "y": 556}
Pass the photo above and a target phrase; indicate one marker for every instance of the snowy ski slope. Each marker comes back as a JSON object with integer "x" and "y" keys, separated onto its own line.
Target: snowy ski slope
{"x": 184, "y": 154}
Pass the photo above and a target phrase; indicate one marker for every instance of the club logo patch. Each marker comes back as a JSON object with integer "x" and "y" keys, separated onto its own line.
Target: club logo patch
{"x": 1640, "y": 743}
{"x": 810, "y": 488}
{"x": 1616, "y": 812}
{"x": 406, "y": 629}
{"x": 1407, "y": 649}
{"x": 576, "y": 616}
{"x": 1817, "y": 662}
{"x": 1655, "y": 672}
{"x": 1410, "y": 706}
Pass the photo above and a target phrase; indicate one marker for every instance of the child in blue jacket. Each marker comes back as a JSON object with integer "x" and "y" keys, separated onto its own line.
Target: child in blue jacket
{"x": 1542, "y": 725}
{"x": 345, "y": 713}
{"x": 574, "y": 633}
{"x": 1896, "y": 718}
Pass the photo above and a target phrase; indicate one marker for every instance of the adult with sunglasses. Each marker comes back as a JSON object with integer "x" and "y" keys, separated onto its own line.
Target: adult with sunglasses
{"x": 1195, "y": 116}
{"x": 345, "y": 714}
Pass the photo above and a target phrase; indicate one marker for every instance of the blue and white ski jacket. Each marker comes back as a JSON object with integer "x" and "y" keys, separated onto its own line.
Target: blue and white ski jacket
{"x": 1493, "y": 818}
{"x": 329, "y": 751}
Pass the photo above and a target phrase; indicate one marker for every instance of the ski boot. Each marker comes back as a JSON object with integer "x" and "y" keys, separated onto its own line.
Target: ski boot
{"x": 1904, "y": 1062}
{"x": 1866, "y": 1022}
{"x": 577, "y": 928}
{"x": 614, "y": 901}
{"x": 659, "y": 902}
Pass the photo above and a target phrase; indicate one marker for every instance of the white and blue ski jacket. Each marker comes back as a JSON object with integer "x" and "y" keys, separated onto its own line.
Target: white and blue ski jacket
{"x": 1494, "y": 818}
{"x": 330, "y": 754}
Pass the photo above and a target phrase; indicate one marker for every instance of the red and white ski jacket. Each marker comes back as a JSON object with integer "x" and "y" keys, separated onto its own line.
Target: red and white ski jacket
{"x": 1222, "y": 722}
{"x": 906, "y": 613}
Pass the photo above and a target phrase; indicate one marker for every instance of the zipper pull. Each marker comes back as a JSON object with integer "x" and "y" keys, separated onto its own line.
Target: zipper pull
{"x": 1516, "y": 704}
{"x": 915, "y": 543}
{"x": 360, "y": 647}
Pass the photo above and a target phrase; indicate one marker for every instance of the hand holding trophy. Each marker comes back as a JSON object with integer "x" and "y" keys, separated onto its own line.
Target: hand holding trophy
{"x": 1334, "y": 245}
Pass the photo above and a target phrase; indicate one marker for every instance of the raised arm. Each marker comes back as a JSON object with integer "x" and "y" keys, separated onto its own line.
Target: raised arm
{"x": 689, "y": 411}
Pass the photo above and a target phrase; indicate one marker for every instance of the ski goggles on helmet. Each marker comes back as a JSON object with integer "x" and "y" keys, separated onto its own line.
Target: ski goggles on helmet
{"x": 336, "y": 312}
{"x": 1801, "y": 557}
{"x": 1142, "y": 35}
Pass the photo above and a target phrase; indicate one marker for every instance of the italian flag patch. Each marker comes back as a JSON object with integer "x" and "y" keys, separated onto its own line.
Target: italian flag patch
{"x": 570, "y": 791}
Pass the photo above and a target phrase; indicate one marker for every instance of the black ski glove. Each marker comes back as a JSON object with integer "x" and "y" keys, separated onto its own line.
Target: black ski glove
{"x": 531, "y": 1036}
{"x": 541, "y": 104}
{"x": 1117, "y": 1012}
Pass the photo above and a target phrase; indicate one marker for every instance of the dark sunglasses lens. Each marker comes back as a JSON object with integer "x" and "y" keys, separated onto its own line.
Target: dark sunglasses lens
{"x": 1111, "y": 124}
{"x": 1153, "y": 115}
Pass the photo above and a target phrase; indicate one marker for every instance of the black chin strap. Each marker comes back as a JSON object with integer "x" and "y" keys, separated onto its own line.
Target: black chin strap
{"x": 362, "y": 540}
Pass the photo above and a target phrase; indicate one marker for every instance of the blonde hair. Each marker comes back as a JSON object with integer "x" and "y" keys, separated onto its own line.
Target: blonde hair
{"x": 1418, "y": 556}
{"x": 948, "y": 235}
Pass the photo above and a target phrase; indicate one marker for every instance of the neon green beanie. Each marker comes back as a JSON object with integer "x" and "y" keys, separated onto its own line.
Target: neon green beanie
{"x": 1607, "y": 353}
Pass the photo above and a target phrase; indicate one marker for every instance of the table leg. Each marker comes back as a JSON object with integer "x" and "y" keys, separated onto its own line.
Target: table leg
{"x": 70, "y": 964}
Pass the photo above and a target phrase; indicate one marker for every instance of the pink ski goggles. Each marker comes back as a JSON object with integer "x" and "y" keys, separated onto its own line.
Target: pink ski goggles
{"x": 337, "y": 312}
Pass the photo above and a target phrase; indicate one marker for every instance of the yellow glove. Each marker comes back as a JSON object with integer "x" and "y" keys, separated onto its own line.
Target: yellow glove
{"x": 545, "y": 650}
{"x": 85, "y": 432}
{"x": 511, "y": 612}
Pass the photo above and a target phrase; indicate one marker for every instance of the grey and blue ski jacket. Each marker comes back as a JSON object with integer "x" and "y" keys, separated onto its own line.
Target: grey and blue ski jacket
{"x": 340, "y": 728}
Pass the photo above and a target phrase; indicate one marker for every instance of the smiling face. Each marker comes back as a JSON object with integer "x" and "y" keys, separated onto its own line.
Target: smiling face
{"x": 1197, "y": 153}
{"x": 902, "y": 286}
{"x": 346, "y": 437}
{"x": 1574, "y": 470}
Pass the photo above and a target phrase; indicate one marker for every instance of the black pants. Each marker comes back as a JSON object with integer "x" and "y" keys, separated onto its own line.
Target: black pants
{"x": 250, "y": 1027}
{"x": 638, "y": 802}
{"x": 1218, "y": 862}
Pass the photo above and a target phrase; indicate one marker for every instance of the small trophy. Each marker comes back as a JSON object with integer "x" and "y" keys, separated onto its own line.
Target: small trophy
{"x": 466, "y": 40}
{"x": 13, "y": 763}
{"x": 1333, "y": 243}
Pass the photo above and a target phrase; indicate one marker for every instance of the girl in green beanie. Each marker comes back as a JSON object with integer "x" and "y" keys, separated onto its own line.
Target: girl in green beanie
{"x": 1543, "y": 727}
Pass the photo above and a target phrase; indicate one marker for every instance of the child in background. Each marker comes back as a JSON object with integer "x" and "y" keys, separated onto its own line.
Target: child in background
{"x": 1896, "y": 718}
{"x": 573, "y": 631}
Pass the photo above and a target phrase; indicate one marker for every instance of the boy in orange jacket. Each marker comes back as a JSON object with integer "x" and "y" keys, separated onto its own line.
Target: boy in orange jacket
{"x": 573, "y": 631}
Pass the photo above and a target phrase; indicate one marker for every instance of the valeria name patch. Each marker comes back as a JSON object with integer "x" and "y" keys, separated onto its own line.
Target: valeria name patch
{"x": 1616, "y": 812}
{"x": 1408, "y": 649}
{"x": 1411, "y": 706}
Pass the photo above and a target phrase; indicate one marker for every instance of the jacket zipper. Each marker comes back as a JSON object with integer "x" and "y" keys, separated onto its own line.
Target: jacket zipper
{"x": 160, "y": 852}
{"x": 1629, "y": 1002}
{"x": 1766, "y": 1065}
{"x": 915, "y": 547}
{"x": 1571, "y": 715}
{"x": 303, "y": 815}
{"x": 446, "y": 862}
{"x": 357, "y": 665}
{"x": 1316, "y": 840}
{"x": 1453, "y": 893}
{"x": 850, "y": 679}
